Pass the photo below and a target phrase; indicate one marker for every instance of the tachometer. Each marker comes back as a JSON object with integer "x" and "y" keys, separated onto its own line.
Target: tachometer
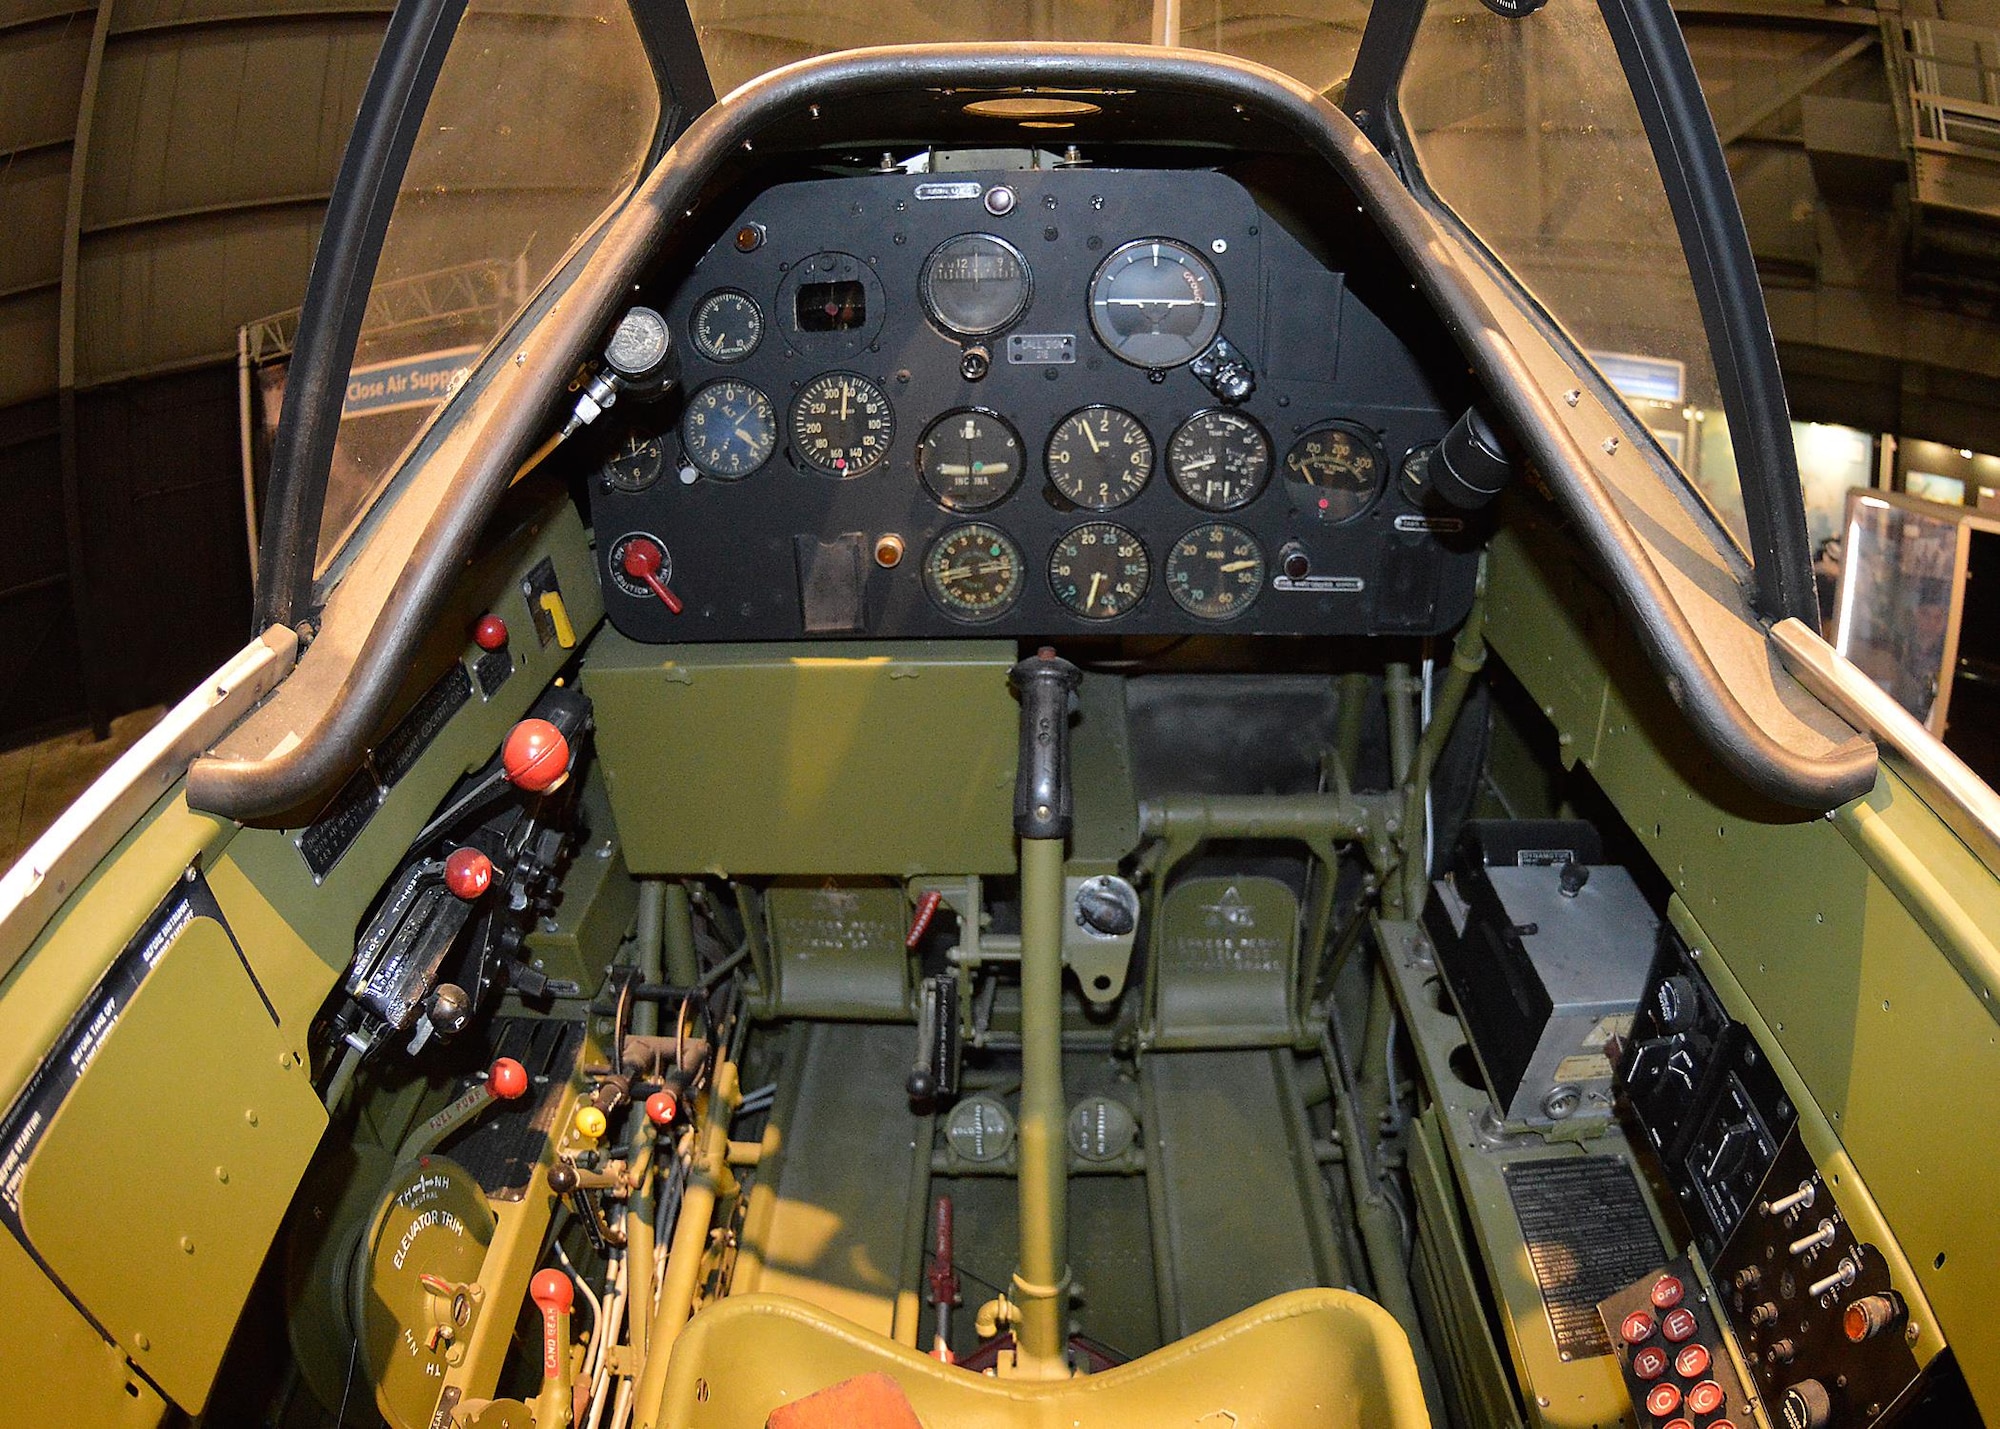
{"x": 1333, "y": 472}
{"x": 1155, "y": 303}
{"x": 1100, "y": 571}
{"x": 842, "y": 425}
{"x": 729, "y": 429}
{"x": 1219, "y": 460}
{"x": 1215, "y": 571}
{"x": 1100, "y": 457}
{"x": 975, "y": 284}
{"x": 970, "y": 459}
{"x": 727, "y": 326}
{"x": 973, "y": 572}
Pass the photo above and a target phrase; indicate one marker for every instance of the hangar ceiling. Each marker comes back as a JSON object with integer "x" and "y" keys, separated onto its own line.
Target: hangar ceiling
{"x": 164, "y": 165}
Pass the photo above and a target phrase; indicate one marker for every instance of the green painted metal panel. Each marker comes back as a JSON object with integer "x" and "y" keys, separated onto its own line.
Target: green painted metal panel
{"x": 886, "y": 758}
{"x": 162, "y": 1251}
{"x": 1228, "y": 959}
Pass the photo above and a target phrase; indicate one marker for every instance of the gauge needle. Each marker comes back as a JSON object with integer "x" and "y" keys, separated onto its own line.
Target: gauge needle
{"x": 1201, "y": 465}
{"x": 952, "y": 468}
{"x": 1231, "y": 567}
{"x": 1095, "y": 445}
{"x": 844, "y": 395}
{"x": 1091, "y": 599}
{"x": 746, "y": 436}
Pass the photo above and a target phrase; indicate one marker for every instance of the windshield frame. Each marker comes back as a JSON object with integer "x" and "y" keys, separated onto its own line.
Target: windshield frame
{"x": 365, "y": 194}
{"x": 1660, "y": 75}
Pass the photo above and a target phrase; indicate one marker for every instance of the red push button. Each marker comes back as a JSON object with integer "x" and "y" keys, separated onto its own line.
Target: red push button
{"x": 1649, "y": 1363}
{"x": 1677, "y": 1424}
{"x": 1663, "y": 1399}
{"x": 1637, "y": 1327}
{"x": 490, "y": 633}
{"x": 1722, "y": 1424}
{"x": 1680, "y": 1325}
{"x": 1666, "y": 1292}
{"x": 1705, "y": 1398}
{"x": 1692, "y": 1361}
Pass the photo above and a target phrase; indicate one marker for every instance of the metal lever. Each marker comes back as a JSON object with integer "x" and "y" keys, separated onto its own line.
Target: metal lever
{"x": 935, "y": 1074}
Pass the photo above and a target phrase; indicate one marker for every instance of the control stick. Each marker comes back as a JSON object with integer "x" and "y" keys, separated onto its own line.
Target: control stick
{"x": 1043, "y": 813}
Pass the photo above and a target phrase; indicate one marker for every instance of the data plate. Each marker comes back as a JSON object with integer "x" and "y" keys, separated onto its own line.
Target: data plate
{"x": 1588, "y": 1235}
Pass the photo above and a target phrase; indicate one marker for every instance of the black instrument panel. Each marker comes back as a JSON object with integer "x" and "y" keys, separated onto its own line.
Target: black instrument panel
{"x": 1014, "y": 403}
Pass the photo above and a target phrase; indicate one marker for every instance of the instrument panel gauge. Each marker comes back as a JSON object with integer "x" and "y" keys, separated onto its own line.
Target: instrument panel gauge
{"x": 1100, "y": 457}
{"x": 970, "y": 459}
{"x": 842, "y": 425}
{"x": 1099, "y": 571}
{"x": 636, "y": 462}
{"x": 1219, "y": 460}
{"x": 1215, "y": 571}
{"x": 975, "y": 284}
{"x": 973, "y": 572}
{"x": 729, "y": 429}
{"x": 727, "y": 326}
{"x": 1155, "y": 303}
{"x": 1333, "y": 472}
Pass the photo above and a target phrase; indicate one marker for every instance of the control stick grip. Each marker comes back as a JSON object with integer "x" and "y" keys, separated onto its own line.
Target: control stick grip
{"x": 1043, "y": 807}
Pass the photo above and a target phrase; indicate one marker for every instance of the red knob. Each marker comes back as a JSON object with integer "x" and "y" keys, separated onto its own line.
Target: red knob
{"x": 551, "y": 1290}
{"x": 535, "y": 756}
{"x": 642, "y": 561}
{"x": 468, "y": 873}
{"x": 490, "y": 633}
{"x": 507, "y": 1079}
{"x": 662, "y": 1107}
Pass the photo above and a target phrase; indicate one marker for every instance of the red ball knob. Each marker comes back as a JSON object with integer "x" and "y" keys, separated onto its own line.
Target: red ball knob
{"x": 468, "y": 873}
{"x": 642, "y": 559}
{"x": 490, "y": 633}
{"x": 551, "y": 1290}
{"x": 507, "y": 1079}
{"x": 535, "y": 756}
{"x": 662, "y": 1107}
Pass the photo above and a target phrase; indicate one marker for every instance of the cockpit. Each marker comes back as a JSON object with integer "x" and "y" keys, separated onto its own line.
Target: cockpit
{"x": 966, "y": 727}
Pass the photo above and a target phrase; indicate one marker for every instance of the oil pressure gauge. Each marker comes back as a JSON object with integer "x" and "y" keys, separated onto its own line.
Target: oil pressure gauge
{"x": 1219, "y": 460}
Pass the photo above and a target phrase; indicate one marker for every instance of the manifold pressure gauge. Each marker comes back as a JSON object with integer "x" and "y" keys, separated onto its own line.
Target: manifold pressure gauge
{"x": 1215, "y": 571}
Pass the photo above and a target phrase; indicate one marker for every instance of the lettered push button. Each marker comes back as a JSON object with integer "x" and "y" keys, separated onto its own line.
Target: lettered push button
{"x": 1692, "y": 1361}
{"x": 1680, "y": 1325}
{"x": 1705, "y": 1398}
{"x": 1636, "y": 1328}
{"x": 1666, "y": 1292}
{"x": 1649, "y": 1363}
{"x": 1663, "y": 1399}
{"x": 1677, "y": 1424}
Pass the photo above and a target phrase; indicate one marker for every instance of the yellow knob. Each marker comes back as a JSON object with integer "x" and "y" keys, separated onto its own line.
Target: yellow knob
{"x": 590, "y": 1122}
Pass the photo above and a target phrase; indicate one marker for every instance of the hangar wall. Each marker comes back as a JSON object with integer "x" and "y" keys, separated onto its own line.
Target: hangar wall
{"x": 164, "y": 165}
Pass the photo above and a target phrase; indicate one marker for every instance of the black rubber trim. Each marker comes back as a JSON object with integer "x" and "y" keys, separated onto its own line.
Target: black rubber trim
{"x": 507, "y": 417}
{"x": 1703, "y": 199}
{"x": 357, "y": 217}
